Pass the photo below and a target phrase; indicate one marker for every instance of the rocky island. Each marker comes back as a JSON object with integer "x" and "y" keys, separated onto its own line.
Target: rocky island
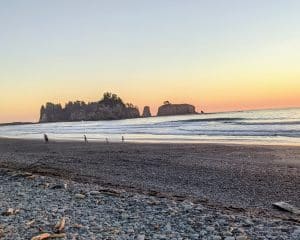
{"x": 169, "y": 109}
{"x": 110, "y": 107}
{"x": 146, "y": 112}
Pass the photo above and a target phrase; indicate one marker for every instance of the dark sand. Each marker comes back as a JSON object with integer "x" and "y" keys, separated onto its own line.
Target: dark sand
{"x": 239, "y": 175}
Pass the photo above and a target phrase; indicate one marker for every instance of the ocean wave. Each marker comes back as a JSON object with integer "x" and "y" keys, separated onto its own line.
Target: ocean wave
{"x": 208, "y": 120}
{"x": 265, "y": 123}
{"x": 257, "y": 125}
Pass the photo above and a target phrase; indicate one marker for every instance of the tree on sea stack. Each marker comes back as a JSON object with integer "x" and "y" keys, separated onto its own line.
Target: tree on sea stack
{"x": 111, "y": 99}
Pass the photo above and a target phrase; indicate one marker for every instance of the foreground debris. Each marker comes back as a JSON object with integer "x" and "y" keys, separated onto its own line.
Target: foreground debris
{"x": 59, "y": 227}
{"x": 85, "y": 211}
{"x": 41, "y": 236}
{"x": 10, "y": 211}
{"x": 44, "y": 236}
{"x": 287, "y": 207}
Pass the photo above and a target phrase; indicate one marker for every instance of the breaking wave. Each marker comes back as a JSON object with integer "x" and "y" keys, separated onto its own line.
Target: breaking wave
{"x": 275, "y": 126}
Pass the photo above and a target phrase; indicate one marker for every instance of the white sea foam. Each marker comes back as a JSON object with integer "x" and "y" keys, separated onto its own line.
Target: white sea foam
{"x": 264, "y": 126}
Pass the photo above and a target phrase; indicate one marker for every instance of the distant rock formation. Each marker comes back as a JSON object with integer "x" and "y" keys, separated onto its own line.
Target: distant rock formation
{"x": 110, "y": 107}
{"x": 169, "y": 109}
{"x": 146, "y": 112}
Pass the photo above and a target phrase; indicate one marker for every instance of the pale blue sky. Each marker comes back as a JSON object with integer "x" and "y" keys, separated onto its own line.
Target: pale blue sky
{"x": 111, "y": 43}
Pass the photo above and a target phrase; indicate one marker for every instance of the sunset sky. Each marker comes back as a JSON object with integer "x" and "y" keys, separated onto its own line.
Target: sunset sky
{"x": 219, "y": 55}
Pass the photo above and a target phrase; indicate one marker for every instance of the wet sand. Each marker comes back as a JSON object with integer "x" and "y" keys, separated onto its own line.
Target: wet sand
{"x": 239, "y": 175}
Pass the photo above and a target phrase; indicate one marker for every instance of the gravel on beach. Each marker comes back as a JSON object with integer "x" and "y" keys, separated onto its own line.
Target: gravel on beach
{"x": 94, "y": 212}
{"x": 247, "y": 176}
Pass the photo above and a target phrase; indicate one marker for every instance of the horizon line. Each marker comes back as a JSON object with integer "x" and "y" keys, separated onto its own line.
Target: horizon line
{"x": 219, "y": 112}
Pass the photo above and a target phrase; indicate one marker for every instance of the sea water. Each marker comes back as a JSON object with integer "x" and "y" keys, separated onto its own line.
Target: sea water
{"x": 258, "y": 127}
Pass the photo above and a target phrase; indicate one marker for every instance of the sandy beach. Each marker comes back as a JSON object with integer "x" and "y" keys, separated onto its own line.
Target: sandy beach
{"x": 245, "y": 176}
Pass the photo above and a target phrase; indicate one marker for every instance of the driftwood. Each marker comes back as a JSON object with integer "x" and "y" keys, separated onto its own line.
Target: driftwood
{"x": 10, "y": 211}
{"x": 30, "y": 222}
{"x": 59, "y": 227}
{"x": 58, "y": 235}
{"x": 41, "y": 236}
{"x": 48, "y": 236}
{"x": 287, "y": 207}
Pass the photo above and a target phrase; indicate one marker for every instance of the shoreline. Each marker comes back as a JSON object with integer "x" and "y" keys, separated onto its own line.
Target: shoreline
{"x": 162, "y": 142}
{"x": 198, "y": 113}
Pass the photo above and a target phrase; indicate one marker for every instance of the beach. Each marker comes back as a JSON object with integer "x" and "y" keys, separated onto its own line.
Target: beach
{"x": 149, "y": 191}
{"x": 239, "y": 175}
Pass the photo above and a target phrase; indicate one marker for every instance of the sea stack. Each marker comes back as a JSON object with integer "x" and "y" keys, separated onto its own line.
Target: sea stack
{"x": 169, "y": 109}
{"x": 146, "y": 112}
{"x": 110, "y": 107}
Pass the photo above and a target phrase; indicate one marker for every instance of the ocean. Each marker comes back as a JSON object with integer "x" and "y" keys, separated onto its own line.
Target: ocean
{"x": 280, "y": 126}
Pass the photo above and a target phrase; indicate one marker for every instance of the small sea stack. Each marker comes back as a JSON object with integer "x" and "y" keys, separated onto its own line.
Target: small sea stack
{"x": 146, "y": 112}
{"x": 169, "y": 109}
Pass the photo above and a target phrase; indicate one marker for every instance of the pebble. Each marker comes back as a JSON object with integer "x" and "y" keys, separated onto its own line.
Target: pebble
{"x": 229, "y": 238}
{"x": 140, "y": 237}
{"x": 241, "y": 238}
{"x": 168, "y": 227}
{"x": 215, "y": 237}
{"x": 94, "y": 193}
{"x": 210, "y": 229}
{"x": 121, "y": 216}
{"x": 296, "y": 234}
{"x": 79, "y": 196}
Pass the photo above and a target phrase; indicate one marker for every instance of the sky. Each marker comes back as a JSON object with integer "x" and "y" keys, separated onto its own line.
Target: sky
{"x": 219, "y": 55}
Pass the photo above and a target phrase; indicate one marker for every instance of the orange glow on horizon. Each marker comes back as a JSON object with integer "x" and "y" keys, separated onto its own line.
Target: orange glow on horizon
{"x": 29, "y": 110}
{"x": 222, "y": 90}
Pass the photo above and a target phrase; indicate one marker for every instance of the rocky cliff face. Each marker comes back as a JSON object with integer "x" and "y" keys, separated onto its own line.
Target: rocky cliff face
{"x": 110, "y": 107}
{"x": 146, "y": 112}
{"x": 175, "y": 109}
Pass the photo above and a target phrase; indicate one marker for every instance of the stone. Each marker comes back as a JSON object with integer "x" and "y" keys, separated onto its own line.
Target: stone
{"x": 229, "y": 238}
{"x": 169, "y": 109}
{"x": 7, "y": 212}
{"x": 194, "y": 236}
{"x": 93, "y": 193}
{"x": 140, "y": 237}
{"x": 168, "y": 227}
{"x": 216, "y": 237}
{"x": 79, "y": 196}
{"x": 210, "y": 229}
{"x": 10, "y": 211}
{"x": 146, "y": 112}
{"x": 241, "y": 237}
{"x": 296, "y": 234}
{"x": 59, "y": 186}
